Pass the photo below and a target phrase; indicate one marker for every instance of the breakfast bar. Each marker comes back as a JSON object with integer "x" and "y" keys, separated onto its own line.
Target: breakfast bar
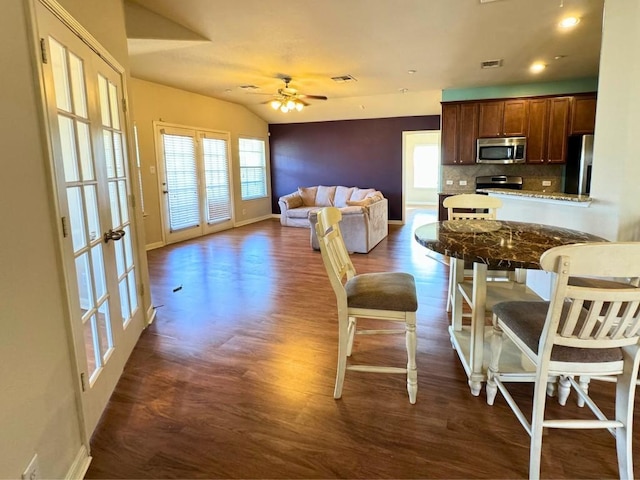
{"x": 496, "y": 244}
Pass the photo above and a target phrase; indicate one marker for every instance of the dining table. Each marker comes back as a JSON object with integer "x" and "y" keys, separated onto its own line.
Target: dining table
{"x": 491, "y": 245}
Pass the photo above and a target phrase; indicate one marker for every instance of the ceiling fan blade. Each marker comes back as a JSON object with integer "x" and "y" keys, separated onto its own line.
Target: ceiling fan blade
{"x": 314, "y": 97}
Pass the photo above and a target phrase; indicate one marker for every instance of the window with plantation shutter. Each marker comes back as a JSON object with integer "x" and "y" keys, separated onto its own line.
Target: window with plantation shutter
{"x": 195, "y": 181}
{"x": 253, "y": 169}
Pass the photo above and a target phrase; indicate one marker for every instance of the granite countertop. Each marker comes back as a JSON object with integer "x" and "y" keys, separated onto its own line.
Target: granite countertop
{"x": 565, "y": 197}
{"x": 497, "y": 243}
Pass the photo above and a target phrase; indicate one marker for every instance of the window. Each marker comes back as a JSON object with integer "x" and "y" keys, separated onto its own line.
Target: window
{"x": 253, "y": 170}
{"x": 426, "y": 160}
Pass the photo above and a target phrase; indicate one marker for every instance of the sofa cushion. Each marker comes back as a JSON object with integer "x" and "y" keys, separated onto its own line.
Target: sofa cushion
{"x": 342, "y": 195}
{"x": 361, "y": 193}
{"x": 324, "y": 196}
{"x": 308, "y": 195}
{"x": 301, "y": 212}
{"x": 361, "y": 203}
{"x": 351, "y": 210}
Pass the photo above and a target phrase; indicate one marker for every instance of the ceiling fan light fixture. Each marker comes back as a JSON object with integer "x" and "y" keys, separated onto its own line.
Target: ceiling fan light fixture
{"x": 275, "y": 104}
{"x": 299, "y": 106}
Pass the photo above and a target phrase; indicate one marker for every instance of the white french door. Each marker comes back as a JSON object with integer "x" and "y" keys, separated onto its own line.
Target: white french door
{"x": 84, "y": 98}
{"x": 195, "y": 179}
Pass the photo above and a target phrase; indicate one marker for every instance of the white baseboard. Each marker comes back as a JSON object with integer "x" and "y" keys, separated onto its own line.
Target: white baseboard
{"x": 80, "y": 465}
{"x": 152, "y": 246}
{"x": 252, "y": 220}
{"x": 396, "y": 222}
{"x": 151, "y": 315}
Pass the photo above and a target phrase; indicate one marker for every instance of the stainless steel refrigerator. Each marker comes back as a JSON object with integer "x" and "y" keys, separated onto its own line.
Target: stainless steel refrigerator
{"x": 577, "y": 170}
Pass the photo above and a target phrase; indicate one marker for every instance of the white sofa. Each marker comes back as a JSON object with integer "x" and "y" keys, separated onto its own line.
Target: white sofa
{"x": 364, "y": 213}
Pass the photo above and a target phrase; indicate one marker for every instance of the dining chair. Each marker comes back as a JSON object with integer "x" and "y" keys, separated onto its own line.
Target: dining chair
{"x": 374, "y": 296}
{"x": 467, "y": 206}
{"x": 583, "y": 330}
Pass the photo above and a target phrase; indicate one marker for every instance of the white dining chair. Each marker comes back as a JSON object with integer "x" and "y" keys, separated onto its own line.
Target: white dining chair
{"x": 467, "y": 206}
{"x": 584, "y": 330}
{"x": 375, "y": 296}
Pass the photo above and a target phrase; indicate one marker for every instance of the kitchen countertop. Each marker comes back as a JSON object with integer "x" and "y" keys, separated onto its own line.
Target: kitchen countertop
{"x": 550, "y": 197}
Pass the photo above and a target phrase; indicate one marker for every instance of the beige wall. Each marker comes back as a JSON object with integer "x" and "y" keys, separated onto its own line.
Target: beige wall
{"x": 38, "y": 407}
{"x": 153, "y": 102}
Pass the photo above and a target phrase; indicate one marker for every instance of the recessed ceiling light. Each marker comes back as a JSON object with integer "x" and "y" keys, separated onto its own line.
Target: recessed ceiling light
{"x": 569, "y": 22}
{"x": 559, "y": 57}
{"x": 403, "y": 90}
{"x": 537, "y": 67}
{"x": 411, "y": 72}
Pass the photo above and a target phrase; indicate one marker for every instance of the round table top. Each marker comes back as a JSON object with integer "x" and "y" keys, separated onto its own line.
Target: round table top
{"x": 497, "y": 243}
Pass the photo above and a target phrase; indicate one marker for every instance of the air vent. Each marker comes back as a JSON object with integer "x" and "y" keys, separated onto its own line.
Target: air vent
{"x": 491, "y": 64}
{"x": 250, "y": 88}
{"x": 344, "y": 78}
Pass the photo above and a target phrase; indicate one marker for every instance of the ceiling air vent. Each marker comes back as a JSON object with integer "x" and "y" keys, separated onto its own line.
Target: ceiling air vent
{"x": 491, "y": 64}
{"x": 344, "y": 78}
{"x": 249, "y": 88}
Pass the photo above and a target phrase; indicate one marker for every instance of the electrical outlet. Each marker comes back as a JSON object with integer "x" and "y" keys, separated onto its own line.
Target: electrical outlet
{"x": 152, "y": 170}
{"x": 546, "y": 183}
{"x": 244, "y": 211}
{"x": 462, "y": 182}
{"x": 32, "y": 471}
{"x": 449, "y": 182}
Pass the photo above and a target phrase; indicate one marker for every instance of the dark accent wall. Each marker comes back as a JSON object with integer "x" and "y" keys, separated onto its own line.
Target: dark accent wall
{"x": 360, "y": 153}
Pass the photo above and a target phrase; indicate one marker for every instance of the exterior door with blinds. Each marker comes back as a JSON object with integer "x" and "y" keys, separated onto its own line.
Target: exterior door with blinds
{"x": 84, "y": 98}
{"x": 195, "y": 178}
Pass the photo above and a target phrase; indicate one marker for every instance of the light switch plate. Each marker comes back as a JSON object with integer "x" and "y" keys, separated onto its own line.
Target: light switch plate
{"x": 449, "y": 182}
{"x": 462, "y": 182}
{"x": 546, "y": 183}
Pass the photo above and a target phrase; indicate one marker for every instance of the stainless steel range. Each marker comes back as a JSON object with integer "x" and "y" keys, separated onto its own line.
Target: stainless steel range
{"x": 499, "y": 181}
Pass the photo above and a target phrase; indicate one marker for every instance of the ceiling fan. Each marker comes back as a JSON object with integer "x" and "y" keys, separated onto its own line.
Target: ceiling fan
{"x": 288, "y": 99}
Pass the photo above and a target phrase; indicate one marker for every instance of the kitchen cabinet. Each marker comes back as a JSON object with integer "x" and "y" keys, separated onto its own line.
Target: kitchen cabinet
{"x": 583, "y": 115}
{"x": 459, "y": 124}
{"x": 503, "y": 118}
{"x": 547, "y": 130}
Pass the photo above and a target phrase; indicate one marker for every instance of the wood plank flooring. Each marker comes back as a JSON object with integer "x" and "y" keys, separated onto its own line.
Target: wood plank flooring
{"x": 234, "y": 379}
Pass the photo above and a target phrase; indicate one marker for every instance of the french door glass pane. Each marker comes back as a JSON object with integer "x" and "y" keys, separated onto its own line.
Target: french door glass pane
{"x": 133, "y": 294}
{"x": 122, "y": 192}
{"x": 128, "y": 252}
{"x": 98, "y": 271}
{"x": 108, "y": 154}
{"x": 68, "y": 147}
{"x": 92, "y": 352}
{"x": 113, "y": 103}
{"x": 77, "y": 86}
{"x": 104, "y": 331}
{"x": 85, "y": 288}
{"x": 124, "y": 300}
{"x": 104, "y": 101}
{"x": 119, "y": 157}
{"x": 76, "y": 218}
{"x": 60, "y": 75}
{"x": 93, "y": 221}
{"x": 84, "y": 149}
{"x": 115, "y": 206}
{"x": 216, "y": 170}
{"x": 182, "y": 181}
{"x": 119, "y": 258}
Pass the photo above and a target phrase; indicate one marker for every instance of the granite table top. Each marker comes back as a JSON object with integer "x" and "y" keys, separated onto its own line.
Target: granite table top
{"x": 497, "y": 243}
{"x": 565, "y": 197}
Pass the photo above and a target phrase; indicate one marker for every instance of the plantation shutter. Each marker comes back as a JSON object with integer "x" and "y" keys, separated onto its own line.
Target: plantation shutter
{"x": 216, "y": 168}
{"x": 182, "y": 180}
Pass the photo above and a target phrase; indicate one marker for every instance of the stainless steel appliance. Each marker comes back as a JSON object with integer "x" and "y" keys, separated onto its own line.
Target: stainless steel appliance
{"x": 501, "y": 150}
{"x": 577, "y": 170}
{"x": 511, "y": 182}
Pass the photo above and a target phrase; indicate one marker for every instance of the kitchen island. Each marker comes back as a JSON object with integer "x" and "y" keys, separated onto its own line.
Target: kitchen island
{"x": 540, "y": 196}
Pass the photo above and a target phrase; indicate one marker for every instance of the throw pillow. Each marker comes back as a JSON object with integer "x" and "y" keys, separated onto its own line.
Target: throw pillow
{"x": 342, "y": 195}
{"x": 308, "y": 195}
{"x": 324, "y": 196}
{"x": 361, "y": 193}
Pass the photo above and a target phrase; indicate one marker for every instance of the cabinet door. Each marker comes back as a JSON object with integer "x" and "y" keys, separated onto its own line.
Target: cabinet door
{"x": 558, "y": 129}
{"x": 515, "y": 118}
{"x": 490, "y": 122}
{"x": 467, "y": 133}
{"x": 583, "y": 115}
{"x": 449, "y": 134}
{"x": 537, "y": 131}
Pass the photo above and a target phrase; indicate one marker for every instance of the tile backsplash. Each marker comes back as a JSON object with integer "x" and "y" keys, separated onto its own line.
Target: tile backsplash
{"x": 534, "y": 177}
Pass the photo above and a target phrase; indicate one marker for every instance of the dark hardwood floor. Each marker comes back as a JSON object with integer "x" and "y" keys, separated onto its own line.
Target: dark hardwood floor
{"x": 234, "y": 379}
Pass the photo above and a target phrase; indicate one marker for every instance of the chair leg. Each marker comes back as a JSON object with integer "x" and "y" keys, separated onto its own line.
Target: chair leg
{"x": 584, "y": 385}
{"x": 496, "y": 350}
{"x": 625, "y": 394}
{"x": 564, "y": 388}
{"x": 452, "y": 269}
{"x": 343, "y": 346}
{"x": 412, "y": 369}
{"x": 351, "y": 329}
{"x": 537, "y": 419}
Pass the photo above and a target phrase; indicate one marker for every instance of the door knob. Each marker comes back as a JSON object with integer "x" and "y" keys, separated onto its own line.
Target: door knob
{"x": 113, "y": 235}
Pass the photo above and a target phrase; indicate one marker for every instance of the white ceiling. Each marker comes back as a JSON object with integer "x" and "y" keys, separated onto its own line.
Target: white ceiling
{"x": 213, "y": 47}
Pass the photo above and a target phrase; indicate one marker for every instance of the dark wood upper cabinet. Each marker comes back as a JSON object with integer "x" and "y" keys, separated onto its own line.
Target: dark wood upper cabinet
{"x": 558, "y": 129}
{"x": 537, "y": 131}
{"x": 504, "y": 118}
{"x": 583, "y": 115}
{"x": 459, "y": 132}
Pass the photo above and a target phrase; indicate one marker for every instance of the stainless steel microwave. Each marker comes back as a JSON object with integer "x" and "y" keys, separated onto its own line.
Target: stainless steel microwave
{"x": 501, "y": 150}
